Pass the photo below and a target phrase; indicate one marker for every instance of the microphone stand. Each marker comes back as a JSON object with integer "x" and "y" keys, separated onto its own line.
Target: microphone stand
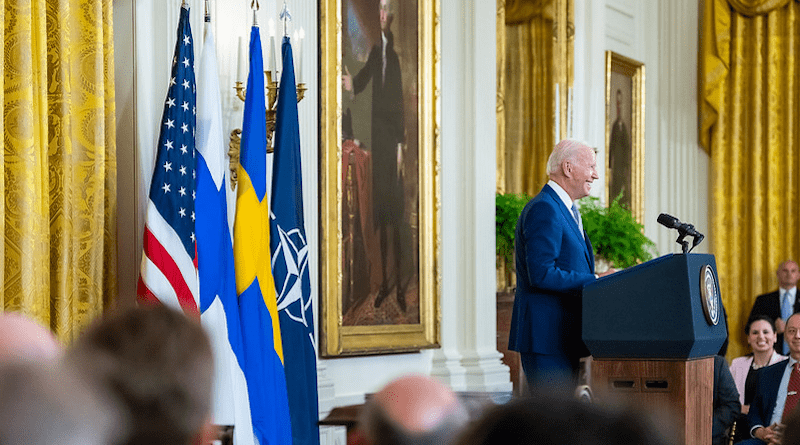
{"x": 684, "y": 244}
{"x": 696, "y": 239}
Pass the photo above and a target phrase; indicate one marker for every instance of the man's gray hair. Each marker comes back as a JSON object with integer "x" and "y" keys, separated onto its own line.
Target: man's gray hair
{"x": 566, "y": 149}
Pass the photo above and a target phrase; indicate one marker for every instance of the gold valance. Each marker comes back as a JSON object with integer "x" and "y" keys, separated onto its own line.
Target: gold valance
{"x": 752, "y": 8}
{"x": 715, "y": 39}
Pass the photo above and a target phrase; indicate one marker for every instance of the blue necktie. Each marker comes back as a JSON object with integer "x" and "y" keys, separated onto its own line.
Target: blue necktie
{"x": 786, "y": 312}
{"x": 577, "y": 216}
{"x": 786, "y": 307}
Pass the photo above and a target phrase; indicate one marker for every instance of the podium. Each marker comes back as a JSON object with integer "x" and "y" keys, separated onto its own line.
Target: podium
{"x": 652, "y": 331}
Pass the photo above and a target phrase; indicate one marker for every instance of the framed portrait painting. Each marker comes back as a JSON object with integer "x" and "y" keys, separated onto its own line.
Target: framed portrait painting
{"x": 379, "y": 184}
{"x": 625, "y": 132}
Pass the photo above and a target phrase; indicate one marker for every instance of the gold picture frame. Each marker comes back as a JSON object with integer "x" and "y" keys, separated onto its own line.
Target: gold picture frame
{"x": 354, "y": 268}
{"x": 625, "y": 104}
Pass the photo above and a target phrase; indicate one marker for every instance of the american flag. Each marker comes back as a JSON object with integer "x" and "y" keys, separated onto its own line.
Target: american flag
{"x": 169, "y": 266}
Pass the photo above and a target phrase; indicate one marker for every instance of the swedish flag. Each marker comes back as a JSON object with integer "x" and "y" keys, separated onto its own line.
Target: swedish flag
{"x": 258, "y": 309}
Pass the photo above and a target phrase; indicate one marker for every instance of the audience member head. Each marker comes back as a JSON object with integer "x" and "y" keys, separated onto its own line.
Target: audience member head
{"x": 573, "y": 166}
{"x": 46, "y": 404}
{"x": 25, "y": 339}
{"x": 760, "y": 331}
{"x": 788, "y": 274}
{"x": 553, "y": 420}
{"x": 792, "y": 335}
{"x": 414, "y": 409}
{"x": 157, "y": 364}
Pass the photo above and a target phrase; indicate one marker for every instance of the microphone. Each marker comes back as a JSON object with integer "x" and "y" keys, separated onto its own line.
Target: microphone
{"x": 668, "y": 221}
{"x": 671, "y": 222}
{"x": 684, "y": 230}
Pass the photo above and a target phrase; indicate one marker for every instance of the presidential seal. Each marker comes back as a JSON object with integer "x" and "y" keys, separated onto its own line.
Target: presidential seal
{"x": 709, "y": 295}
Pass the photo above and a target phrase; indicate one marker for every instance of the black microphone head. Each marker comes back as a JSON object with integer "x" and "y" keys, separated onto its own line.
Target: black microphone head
{"x": 698, "y": 239}
{"x": 668, "y": 221}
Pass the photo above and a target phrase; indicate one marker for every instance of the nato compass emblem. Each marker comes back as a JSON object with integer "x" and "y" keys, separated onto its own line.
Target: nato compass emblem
{"x": 709, "y": 295}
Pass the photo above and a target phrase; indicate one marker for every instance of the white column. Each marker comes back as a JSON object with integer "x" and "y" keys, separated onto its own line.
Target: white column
{"x": 468, "y": 359}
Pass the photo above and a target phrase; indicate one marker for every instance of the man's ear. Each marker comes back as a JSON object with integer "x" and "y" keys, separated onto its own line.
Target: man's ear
{"x": 566, "y": 168}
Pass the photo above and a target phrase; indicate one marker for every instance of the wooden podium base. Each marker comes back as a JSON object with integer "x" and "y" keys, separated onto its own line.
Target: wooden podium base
{"x": 678, "y": 393}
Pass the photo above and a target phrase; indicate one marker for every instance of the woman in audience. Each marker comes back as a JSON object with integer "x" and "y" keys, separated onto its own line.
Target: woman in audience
{"x": 761, "y": 337}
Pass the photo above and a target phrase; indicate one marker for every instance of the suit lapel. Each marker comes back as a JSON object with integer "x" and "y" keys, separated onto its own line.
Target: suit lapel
{"x": 567, "y": 214}
{"x": 773, "y": 393}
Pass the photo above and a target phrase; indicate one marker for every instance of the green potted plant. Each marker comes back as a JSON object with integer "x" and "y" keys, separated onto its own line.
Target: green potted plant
{"x": 508, "y": 206}
{"x": 616, "y": 235}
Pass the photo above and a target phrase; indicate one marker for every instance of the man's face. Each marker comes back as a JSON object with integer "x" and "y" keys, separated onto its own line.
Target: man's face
{"x": 792, "y": 335}
{"x": 581, "y": 171}
{"x": 384, "y": 10}
{"x": 788, "y": 274}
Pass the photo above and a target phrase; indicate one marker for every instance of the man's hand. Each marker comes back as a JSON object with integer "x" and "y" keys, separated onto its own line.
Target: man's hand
{"x": 779, "y": 325}
{"x": 608, "y": 272}
{"x": 347, "y": 80}
{"x": 771, "y": 434}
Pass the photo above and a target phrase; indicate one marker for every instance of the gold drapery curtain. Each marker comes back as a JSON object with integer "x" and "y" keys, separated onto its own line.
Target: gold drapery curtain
{"x": 749, "y": 114}
{"x": 529, "y": 100}
{"x": 59, "y": 163}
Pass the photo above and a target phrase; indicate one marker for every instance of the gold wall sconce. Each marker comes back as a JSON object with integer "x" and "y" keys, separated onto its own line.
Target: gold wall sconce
{"x": 236, "y": 134}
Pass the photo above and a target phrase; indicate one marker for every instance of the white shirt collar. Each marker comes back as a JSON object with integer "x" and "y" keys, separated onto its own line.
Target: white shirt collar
{"x": 792, "y": 291}
{"x": 561, "y": 194}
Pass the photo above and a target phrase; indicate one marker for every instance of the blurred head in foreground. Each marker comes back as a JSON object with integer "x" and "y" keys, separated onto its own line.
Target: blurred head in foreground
{"x": 413, "y": 409}
{"x": 547, "y": 420}
{"x": 25, "y": 339}
{"x": 157, "y": 364}
{"x": 44, "y": 404}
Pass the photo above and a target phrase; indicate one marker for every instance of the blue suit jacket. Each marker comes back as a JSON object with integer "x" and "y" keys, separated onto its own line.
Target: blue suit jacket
{"x": 768, "y": 381}
{"x": 553, "y": 262}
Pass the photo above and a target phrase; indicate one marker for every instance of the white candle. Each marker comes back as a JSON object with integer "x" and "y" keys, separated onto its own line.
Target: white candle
{"x": 271, "y": 51}
{"x": 302, "y": 36}
{"x": 241, "y": 63}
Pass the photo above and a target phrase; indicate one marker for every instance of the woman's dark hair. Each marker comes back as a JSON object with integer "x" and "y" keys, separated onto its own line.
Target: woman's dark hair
{"x": 756, "y": 318}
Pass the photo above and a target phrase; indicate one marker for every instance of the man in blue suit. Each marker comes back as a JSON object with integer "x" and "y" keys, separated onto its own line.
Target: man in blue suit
{"x": 554, "y": 262}
{"x": 766, "y": 414}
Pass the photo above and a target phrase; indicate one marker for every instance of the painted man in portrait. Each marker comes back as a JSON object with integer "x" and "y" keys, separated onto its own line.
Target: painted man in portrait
{"x": 619, "y": 156}
{"x": 382, "y": 69}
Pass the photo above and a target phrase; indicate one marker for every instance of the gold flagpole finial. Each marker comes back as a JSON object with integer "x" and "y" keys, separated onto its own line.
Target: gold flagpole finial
{"x": 255, "y": 7}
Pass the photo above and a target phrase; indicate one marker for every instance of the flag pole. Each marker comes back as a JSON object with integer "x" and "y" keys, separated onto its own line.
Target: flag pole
{"x": 255, "y": 7}
{"x": 208, "y": 13}
{"x": 286, "y": 17}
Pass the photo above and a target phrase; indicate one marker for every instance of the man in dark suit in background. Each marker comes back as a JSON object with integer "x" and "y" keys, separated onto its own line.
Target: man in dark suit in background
{"x": 726, "y": 401}
{"x": 554, "y": 261}
{"x": 620, "y": 156}
{"x": 776, "y": 392}
{"x": 782, "y": 303}
{"x": 388, "y": 135}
